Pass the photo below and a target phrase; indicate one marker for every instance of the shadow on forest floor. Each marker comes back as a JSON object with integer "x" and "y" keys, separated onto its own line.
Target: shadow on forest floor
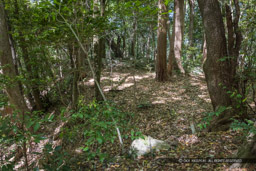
{"x": 170, "y": 108}
{"x": 163, "y": 111}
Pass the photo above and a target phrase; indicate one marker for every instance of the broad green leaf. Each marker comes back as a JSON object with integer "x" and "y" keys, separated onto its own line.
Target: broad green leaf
{"x": 37, "y": 126}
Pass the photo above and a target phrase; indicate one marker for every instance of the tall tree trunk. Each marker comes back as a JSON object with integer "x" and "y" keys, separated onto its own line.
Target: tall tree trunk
{"x": 124, "y": 40}
{"x": 134, "y": 35}
{"x": 99, "y": 49}
{"x": 14, "y": 93}
{"x": 178, "y": 32}
{"x": 148, "y": 48}
{"x": 73, "y": 55}
{"x": 153, "y": 44}
{"x": 161, "y": 70}
{"x": 218, "y": 67}
{"x": 118, "y": 43}
{"x": 171, "y": 57}
{"x": 177, "y": 39}
{"x": 191, "y": 25}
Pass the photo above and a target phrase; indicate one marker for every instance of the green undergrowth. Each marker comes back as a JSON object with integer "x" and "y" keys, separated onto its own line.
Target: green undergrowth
{"x": 93, "y": 129}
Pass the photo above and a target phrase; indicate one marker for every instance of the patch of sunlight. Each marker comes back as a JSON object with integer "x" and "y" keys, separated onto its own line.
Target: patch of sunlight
{"x": 159, "y": 102}
{"x": 107, "y": 88}
{"x": 58, "y": 129}
{"x": 125, "y": 85}
{"x": 89, "y": 82}
{"x": 137, "y": 77}
{"x": 78, "y": 151}
{"x": 195, "y": 84}
{"x": 105, "y": 78}
{"x": 200, "y": 111}
{"x": 252, "y": 105}
{"x": 176, "y": 98}
{"x": 169, "y": 93}
{"x": 141, "y": 77}
{"x": 118, "y": 78}
{"x": 203, "y": 87}
{"x": 205, "y": 98}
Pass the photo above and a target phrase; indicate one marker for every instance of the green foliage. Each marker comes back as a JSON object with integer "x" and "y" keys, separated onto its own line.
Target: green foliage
{"x": 19, "y": 129}
{"x": 247, "y": 127}
{"x": 209, "y": 116}
{"x": 55, "y": 159}
{"x": 191, "y": 59}
{"x": 146, "y": 64}
{"x": 136, "y": 134}
{"x": 7, "y": 167}
{"x": 94, "y": 124}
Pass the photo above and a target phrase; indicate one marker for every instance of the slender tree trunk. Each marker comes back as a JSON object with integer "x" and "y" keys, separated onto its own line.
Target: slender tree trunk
{"x": 75, "y": 93}
{"x": 175, "y": 53}
{"x": 219, "y": 66}
{"x": 99, "y": 49}
{"x": 148, "y": 48}
{"x": 178, "y": 32}
{"x": 124, "y": 40}
{"x": 161, "y": 69}
{"x": 134, "y": 35}
{"x": 118, "y": 43}
{"x": 191, "y": 25}
{"x": 153, "y": 44}
{"x": 75, "y": 74}
{"x": 14, "y": 93}
{"x": 171, "y": 57}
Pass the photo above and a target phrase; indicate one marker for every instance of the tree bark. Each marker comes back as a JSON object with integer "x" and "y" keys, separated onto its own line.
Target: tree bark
{"x": 177, "y": 39}
{"x": 14, "y": 93}
{"x": 73, "y": 55}
{"x": 178, "y": 32}
{"x": 218, "y": 67}
{"x": 99, "y": 49}
{"x": 161, "y": 69}
{"x": 171, "y": 50}
{"x": 191, "y": 24}
{"x": 115, "y": 48}
{"x": 134, "y": 35}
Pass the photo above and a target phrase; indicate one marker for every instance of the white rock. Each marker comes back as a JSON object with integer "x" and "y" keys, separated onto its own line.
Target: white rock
{"x": 144, "y": 146}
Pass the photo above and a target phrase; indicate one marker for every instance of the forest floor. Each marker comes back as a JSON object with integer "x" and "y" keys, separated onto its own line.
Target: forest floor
{"x": 163, "y": 111}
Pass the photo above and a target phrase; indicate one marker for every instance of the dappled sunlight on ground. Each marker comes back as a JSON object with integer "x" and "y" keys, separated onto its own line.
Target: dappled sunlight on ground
{"x": 164, "y": 111}
{"x": 182, "y": 97}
